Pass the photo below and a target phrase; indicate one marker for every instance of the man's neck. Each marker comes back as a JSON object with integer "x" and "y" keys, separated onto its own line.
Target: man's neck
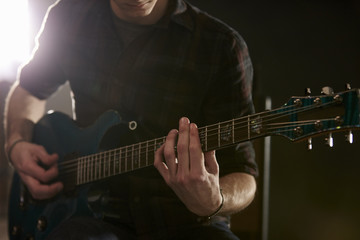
{"x": 153, "y": 17}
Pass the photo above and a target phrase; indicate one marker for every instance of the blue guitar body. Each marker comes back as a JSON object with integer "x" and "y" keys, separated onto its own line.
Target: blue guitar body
{"x": 30, "y": 219}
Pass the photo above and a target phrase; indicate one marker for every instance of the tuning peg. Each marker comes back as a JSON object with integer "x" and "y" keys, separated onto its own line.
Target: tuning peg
{"x": 347, "y": 86}
{"x": 330, "y": 140}
{"x": 327, "y": 91}
{"x": 309, "y": 142}
{"x": 350, "y": 137}
{"x": 307, "y": 91}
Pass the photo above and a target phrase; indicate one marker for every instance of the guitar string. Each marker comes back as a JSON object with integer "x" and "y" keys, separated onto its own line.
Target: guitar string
{"x": 131, "y": 148}
{"x": 107, "y": 169}
{"x": 159, "y": 140}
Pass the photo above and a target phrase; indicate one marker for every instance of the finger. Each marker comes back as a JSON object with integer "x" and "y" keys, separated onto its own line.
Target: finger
{"x": 45, "y": 158}
{"x": 33, "y": 169}
{"x": 160, "y": 165}
{"x": 38, "y": 172}
{"x": 183, "y": 146}
{"x": 196, "y": 155}
{"x": 41, "y": 191}
{"x": 211, "y": 164}
{"x": 169, "y": 152}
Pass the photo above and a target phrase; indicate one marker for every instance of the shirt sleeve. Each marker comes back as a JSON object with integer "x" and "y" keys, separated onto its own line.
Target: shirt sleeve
{"x": 42, "y": 74}
{"x": 230, "y": 97}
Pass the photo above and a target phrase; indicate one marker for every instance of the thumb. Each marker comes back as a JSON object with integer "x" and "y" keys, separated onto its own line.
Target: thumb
{"x": 47, "y": 159}
{"x": 210, "y": 162}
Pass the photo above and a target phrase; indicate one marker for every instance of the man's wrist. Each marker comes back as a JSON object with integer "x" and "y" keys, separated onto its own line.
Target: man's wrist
{"x": 219, "y": 208}
{"x": 9, "y": 148}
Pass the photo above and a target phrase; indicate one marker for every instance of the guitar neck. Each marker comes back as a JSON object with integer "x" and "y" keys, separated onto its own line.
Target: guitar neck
{"x": 132, "y": 157}
{"x": 301, "y": 117}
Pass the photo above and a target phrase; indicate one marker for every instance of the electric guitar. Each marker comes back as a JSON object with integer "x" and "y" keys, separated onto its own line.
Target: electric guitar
{"x": 301, "y": 118}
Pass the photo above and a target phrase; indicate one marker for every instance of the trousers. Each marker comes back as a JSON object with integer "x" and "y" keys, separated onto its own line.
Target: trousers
{"x": 85, "y": 228}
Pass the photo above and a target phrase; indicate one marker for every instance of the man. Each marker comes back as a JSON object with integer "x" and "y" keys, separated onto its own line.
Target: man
{"x": 155, "y": 61}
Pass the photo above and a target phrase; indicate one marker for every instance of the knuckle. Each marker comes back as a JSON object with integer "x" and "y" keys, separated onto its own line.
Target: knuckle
{"x": 197, "y": 178}
{"x": 181, "y": 180}
{"x": 168, "y": 153}
{"x": 45, "y": 178}
{"x": 35, "y": 194}
{"x": 39, "y": 147}
{"x": 181, "y": 147}
{"x": 193, "y": 148}
{"x": 156, "y": 164}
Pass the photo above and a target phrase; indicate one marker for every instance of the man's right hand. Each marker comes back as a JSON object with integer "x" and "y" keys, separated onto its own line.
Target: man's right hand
{"x": 27, "y": 159}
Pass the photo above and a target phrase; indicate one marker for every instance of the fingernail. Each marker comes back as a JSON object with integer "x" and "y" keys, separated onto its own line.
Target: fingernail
{"x": 184, "y": 120}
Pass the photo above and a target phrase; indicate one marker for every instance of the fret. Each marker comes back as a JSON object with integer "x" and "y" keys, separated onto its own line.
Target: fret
{"x": 87, "y": 169}
{"x": 139, "y": 155}
{"x": 117, "y": 161}
{"x": 218, "y": 135}
{"x": 108, "y": 158}
{"x": 147, "y": 153}
{"x": 114, "y": 159}
{"x": 100, "y": 165}
{"x": 233, "y": 130}
{"x": 151, "y": 150}
{"x": 123, "y": 160}
{"x": 83, "y": 174}
{"x": 82, "y": 170}
{"x": 103, "y": 165}
{"x": 106, "y": 164}
{"x": 111, "y": 163}
{"x": 92, "y": 168}
{"x": 206, "y": 138}
{"x": 96, "y": 173}
{"x": 78, "y": 172}
{"x": 126, "y": 160}
{"x": 249, "y": 127}
{"x": 120, "y": 160}
{"x": 132, "y": 157}
{"x": 154, "y": 148}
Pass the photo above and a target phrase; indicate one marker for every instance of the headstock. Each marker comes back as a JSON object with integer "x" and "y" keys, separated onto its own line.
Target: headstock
{"x": 302, "y": 118}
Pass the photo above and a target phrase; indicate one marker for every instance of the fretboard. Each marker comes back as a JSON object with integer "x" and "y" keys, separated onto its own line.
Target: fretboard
{"x": 129, "y": 158}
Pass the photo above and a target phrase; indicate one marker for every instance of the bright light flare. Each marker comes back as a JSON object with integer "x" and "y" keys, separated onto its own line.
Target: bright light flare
{"x": 14, "y": 35}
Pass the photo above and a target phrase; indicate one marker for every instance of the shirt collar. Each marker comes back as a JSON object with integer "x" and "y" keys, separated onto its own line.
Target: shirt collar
{"x": 178, "y": 12}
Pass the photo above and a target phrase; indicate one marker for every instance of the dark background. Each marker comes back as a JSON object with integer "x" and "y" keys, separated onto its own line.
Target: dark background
{"x": 294, "y": 45}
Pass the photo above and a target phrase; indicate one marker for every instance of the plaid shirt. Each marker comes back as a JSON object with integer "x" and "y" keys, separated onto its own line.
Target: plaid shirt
{"x": 188, "y": 64}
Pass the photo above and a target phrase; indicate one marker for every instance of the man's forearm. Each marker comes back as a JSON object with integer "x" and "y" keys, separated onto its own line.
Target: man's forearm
{"x": 238, "y": 190}
{"x": 22, "y": 110}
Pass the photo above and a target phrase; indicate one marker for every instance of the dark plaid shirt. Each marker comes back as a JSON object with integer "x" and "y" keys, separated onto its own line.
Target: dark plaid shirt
{"x": 188, "y": 64}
